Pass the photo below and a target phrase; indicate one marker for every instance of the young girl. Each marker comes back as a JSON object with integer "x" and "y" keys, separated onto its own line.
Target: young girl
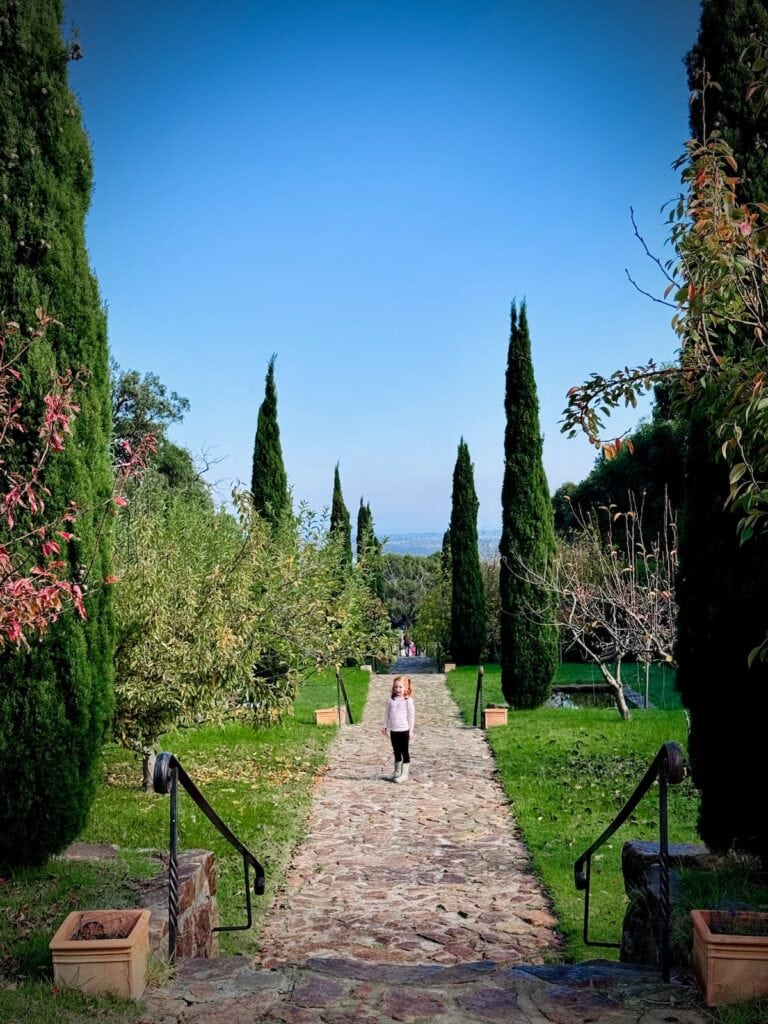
{"x": 398, "y": 721}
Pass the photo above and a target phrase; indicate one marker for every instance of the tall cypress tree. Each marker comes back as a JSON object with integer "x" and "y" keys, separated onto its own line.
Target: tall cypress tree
{"x": 364, "y": 539}
{"x": 529, "y": 643}
{"x": 468, "y": 594}
{"x": 56, "y": 698}
{"x": 269, "y": 483}
{"x": 368, "y": 548}
{"x": 341, "y": 527}
{"x": 722, "y": 587}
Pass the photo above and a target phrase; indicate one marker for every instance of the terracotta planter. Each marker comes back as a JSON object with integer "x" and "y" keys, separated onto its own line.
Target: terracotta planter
{"x": 102, "y": 951}
{"x": 330, "y": 716}
{"x": 449, "y": 666}
{"x": 494, "y": 716}
{"x": 730, "y": 968}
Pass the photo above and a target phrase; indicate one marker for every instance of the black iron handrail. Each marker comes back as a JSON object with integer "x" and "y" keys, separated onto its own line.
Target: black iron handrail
{"x": 669, "y": 768}
{"x": 168, "y": 773}
{"x": 478, "y": 697}
{"x": 341, "y": 690}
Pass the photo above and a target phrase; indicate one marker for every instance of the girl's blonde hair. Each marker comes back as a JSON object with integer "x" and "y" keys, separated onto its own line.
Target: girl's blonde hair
{"x": 407, "y": 685}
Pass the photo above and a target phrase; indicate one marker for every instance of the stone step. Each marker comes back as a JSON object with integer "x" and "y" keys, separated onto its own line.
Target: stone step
{"x": 335, "y": 991}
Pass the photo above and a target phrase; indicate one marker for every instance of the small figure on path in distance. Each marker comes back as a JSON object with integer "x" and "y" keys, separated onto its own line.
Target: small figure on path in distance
{"x": 399, "y": 717}
{"x": 406, "y": 645}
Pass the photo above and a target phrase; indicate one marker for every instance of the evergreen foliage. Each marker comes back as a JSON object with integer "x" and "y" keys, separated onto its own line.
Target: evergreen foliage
{"x": 528, "y": 635}
{"x": 651, "y": 470}
{"x": 269, "y": 483}
{"x": 369, "y": 549}
{"x": 365, "y": 537}
{"x": 445, "y": 552}
{"x": 467, "y": 593}
{"x": 722, "y": 588}
{"x": 341, "y": 527}
{"x": 55, "y": 699}
{"x": 143, "y": 405}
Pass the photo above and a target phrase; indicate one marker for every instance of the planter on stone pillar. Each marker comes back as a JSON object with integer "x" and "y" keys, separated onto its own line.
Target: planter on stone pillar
{"x": 730, "y": 955}
{"x": 102, "y": 951}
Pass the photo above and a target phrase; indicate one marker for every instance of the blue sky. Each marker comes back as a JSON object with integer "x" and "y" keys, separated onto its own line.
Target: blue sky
{"x": 363, "y": 188}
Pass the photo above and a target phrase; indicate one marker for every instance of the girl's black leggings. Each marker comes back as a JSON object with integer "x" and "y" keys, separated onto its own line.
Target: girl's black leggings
{"x": 400, "y": 746}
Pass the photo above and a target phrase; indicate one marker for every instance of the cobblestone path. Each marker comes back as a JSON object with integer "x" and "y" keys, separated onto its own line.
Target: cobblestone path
{"x": 430, "y": 871}
{"x": 413, "y": 903}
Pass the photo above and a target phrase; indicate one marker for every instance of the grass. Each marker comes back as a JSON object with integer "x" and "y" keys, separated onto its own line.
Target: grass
{"x": 567, "y": 773}
{"x": 260, "y": 782}
{"x": 40, "y": 1003}
{"x": 36, "y": 900}
{"x": 34, "y": 903}
{"x": 738, "y": 884}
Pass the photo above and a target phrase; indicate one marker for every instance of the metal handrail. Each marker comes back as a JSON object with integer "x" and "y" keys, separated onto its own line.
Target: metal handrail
{"x": 478, "y": 697}
{"x": 341, "y": 690}
{"x": 669, "y": 768}
{"x": 167, "y": 775}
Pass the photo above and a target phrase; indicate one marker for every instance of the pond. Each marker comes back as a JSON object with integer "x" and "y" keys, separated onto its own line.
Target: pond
{"x": 582, "y": 697}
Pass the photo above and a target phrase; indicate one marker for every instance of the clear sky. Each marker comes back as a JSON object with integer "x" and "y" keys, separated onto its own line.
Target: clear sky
{"x": 363, "y": 187}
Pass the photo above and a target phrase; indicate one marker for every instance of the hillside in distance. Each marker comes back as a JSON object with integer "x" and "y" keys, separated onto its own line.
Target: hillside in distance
{"x": 428, "y": 543}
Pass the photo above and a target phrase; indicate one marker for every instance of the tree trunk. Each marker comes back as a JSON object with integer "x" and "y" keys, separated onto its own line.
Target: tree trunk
{"x": 618, "y": 690}
{"x": 148, "y": 759}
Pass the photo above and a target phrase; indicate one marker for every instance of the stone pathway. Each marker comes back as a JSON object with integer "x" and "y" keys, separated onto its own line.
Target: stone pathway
{"x": 430, "y": 871}
{"x": 413, "y": 902}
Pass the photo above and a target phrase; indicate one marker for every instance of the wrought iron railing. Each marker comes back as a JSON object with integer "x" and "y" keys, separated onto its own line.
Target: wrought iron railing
{"x": 167, "y": 776}
{"x": 477, "y": 717}
{"x": 341, "y": 691}
{"x": 669, "y": 768}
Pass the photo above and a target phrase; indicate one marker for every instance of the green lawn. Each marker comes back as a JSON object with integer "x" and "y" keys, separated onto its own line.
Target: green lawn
{"x": 260, "y": 784}
{"x": 567, "y": 773}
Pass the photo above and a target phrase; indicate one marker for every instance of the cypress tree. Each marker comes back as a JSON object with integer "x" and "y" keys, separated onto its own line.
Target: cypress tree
{"x": 56, "y": 698}
{"x": 445, "y": 552}
{"x": 364, "y": 539}
{"x": 269, "y": 483}
{"x": 722, "y": 587}
{"x": 341, "y": 527}
{"x": 529, "y": 643}
{"x": 468, "y": 595}
{"x": 368, "y": 547}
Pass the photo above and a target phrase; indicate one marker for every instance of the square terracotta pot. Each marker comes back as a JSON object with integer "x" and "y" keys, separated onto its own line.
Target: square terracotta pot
{"x": 494, "y": 716}
{"x": 730, "y": 968}
{"x": 449, "y": 666}
{"x": 330, "y": 716}
{"x": 102, "y": 951}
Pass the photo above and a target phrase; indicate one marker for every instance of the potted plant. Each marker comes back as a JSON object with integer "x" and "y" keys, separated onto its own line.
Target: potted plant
{"x": 730, "y": 955}
{"x": 102, "y": 951}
